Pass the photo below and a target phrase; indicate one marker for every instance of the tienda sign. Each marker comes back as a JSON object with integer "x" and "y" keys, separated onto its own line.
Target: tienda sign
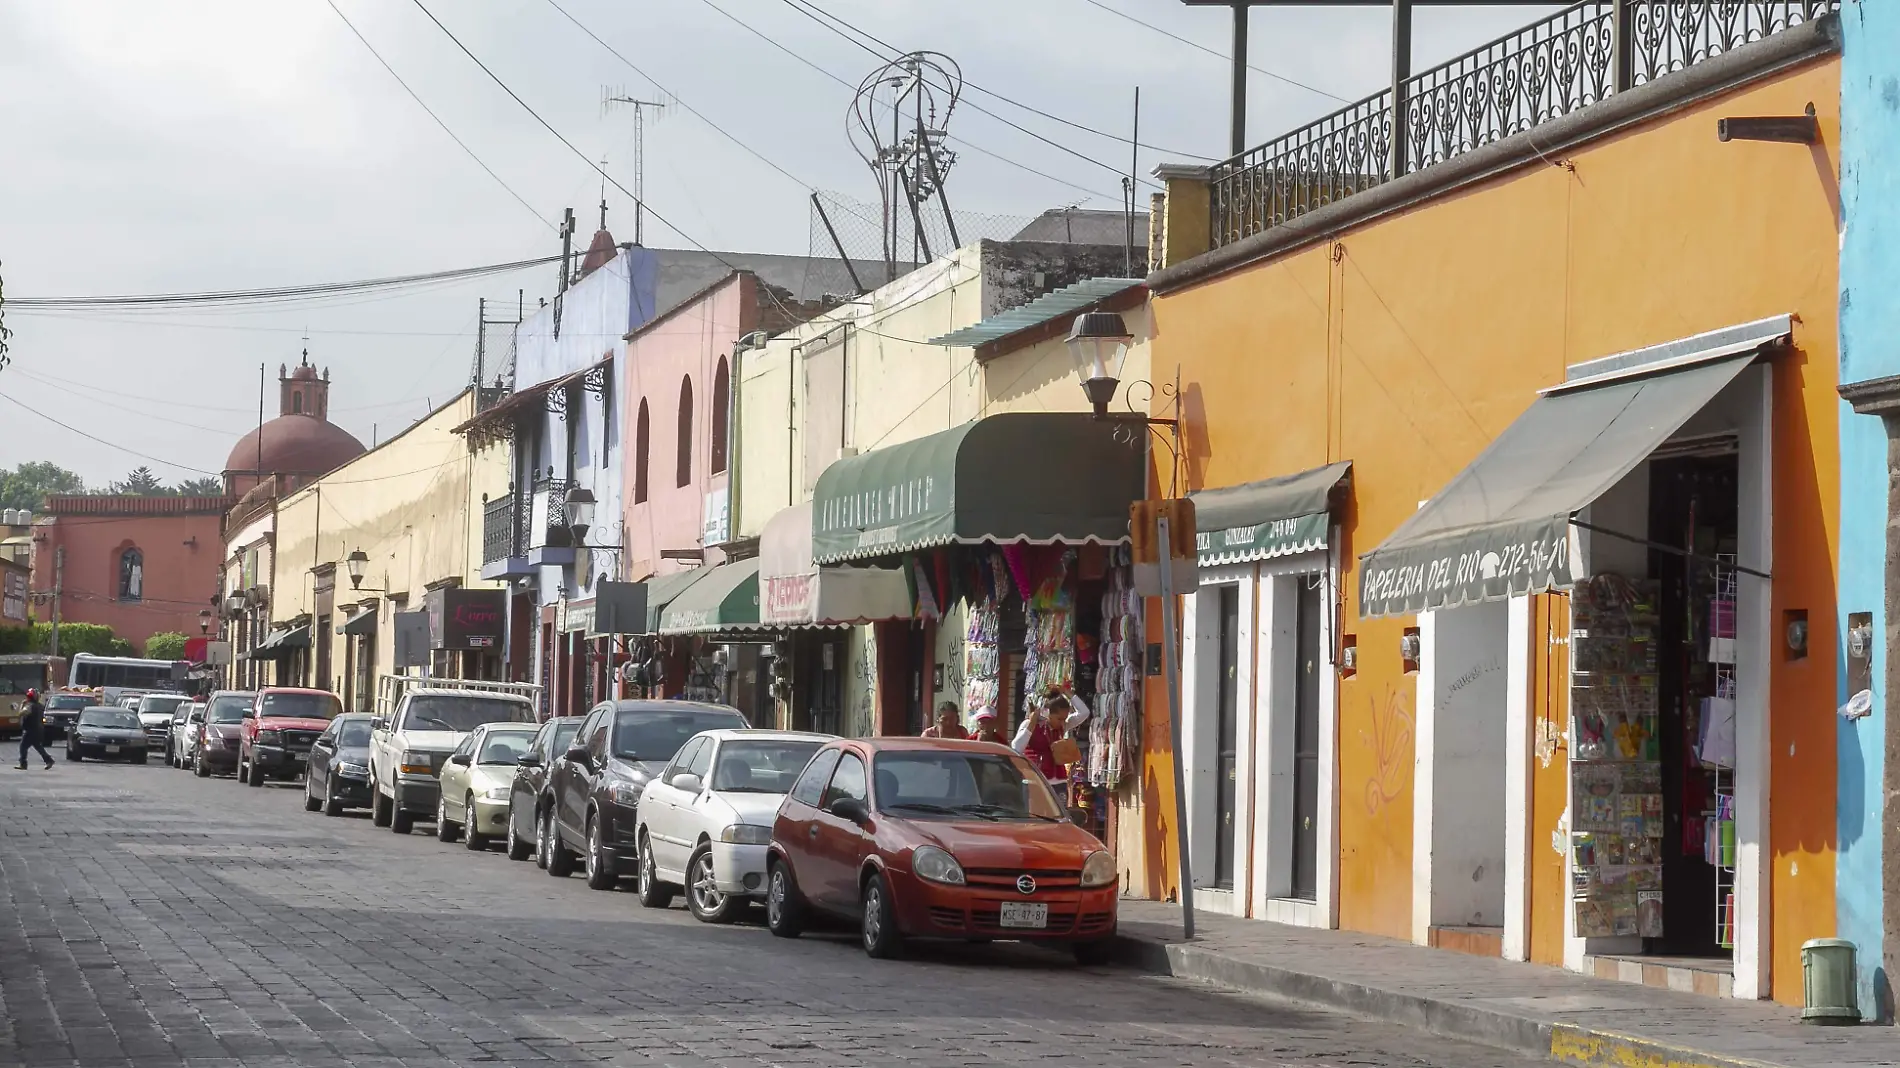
{"x": 466, "y": 619}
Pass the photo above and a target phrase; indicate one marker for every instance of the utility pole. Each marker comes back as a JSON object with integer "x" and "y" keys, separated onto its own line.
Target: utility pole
{"x": 59, "y": 586}
{"x": 607, "y": 100}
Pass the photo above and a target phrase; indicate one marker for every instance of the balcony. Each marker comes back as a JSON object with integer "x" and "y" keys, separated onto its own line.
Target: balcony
{"x": 550, "y": 543}
{"x": 504, "y": 539}
{"x": 1561, "y": 64}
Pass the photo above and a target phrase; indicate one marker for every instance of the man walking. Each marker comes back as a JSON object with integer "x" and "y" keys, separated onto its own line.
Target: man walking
{"x": 32, "y": 730}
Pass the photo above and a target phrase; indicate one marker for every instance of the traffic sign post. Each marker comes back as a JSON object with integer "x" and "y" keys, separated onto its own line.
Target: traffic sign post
{"x": 1159, "y": 567}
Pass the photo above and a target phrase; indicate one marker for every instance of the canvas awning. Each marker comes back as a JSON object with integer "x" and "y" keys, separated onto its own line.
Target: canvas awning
{"x": 361, "y": 621}
{"x": 1272, "y": 517}
{"x": 281, "y": 642}
{"x": 1501, "y": 528}
{"x": 795, "y": 592}
{"x": 725, "y": 598}
{"x": 1039, "y": 477}
{"x": 663, "y": 590}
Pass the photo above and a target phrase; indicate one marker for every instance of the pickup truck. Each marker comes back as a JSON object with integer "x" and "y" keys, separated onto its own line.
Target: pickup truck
{"x": 419, "y": 721}
{"x": 278, "y": 730}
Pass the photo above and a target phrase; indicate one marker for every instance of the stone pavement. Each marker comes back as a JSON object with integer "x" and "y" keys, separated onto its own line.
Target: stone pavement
{"x": 1526, "y": 1007}
{"x": 152, "y": 919}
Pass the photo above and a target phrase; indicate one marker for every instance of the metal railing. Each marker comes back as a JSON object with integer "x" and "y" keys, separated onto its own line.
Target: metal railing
{"x": 502, "y": 530}
{"x": 1551, "y": 68}
{"x": 554, "y": 530}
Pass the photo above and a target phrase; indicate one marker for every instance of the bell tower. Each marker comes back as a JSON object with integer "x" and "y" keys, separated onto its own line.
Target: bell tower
{"x": 302, "y": 392}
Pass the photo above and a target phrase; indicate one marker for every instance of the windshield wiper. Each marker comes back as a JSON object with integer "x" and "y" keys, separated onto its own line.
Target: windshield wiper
{"x": 443, "y": 723}
{"x": 998, "y": 811}
{"x": 921, "y": 806}
{"x": 744, "y": 790}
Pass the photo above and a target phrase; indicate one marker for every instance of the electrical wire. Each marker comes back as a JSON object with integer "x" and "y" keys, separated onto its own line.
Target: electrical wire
{"x": 1276, "y": 76}
{"x": 109, "y": 444}
{"x": 145, "y": 413}
{"x": 490, "y": 171}
{"x": 277, "y": 294}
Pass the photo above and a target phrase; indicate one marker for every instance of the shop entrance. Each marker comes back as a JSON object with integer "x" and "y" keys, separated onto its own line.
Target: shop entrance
{"x": 1307, "y": 680}
{"x": 1462, "y": 728}
{"x": 1227, "y": 733}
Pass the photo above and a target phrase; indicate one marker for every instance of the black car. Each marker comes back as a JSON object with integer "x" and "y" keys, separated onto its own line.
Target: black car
{"x": 62, "y": 711}
{"x": 528, "y": 796}
{"x": 597, "y": 783}
{"x": 104, "y": 733}
{"x": 339, "y": 766}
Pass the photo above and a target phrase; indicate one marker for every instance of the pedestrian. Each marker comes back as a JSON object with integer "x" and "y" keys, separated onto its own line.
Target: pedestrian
{"x": 1044, "y": 737}
{"x": 989, "y": 727}
{"x": 32, "y": 727}
{"x": 949, "y": 723}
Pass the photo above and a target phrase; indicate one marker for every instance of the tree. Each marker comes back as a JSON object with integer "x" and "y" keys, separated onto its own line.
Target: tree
{"x": 27, "y": 485}
{"x": 165, "y": 645}
{"x": 141, "y": 483}
{"x": 201, "y": 487}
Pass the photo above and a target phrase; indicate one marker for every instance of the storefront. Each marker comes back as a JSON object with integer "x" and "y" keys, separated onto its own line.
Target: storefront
{"x": 466, "y": 632}
{"x": 714, "y": 624}
{"x": 1259, "y": 704}
{"x": 286, "y": 648}
{"x": 1637, "y": 491}
{"x": 358, "y": 631}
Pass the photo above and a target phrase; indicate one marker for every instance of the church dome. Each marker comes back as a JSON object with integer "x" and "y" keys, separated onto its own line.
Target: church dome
{"x": 294, "y": 444}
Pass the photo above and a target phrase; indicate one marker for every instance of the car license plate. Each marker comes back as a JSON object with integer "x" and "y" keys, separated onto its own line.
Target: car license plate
{"x": 112, "y": 748}
{"x": 1018, "y": 914}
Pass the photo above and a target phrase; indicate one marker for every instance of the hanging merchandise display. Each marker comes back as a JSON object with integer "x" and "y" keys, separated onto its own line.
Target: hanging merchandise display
{"x": 1616, "y": 770}
{"x": 1716, "y": 749}
{"x": 1115, "y": 732}
{"x": 982, "y": 659}
{"x": 1050, "y": 648}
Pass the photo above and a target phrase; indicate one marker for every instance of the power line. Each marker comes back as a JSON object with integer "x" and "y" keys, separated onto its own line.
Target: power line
{"x": 276, "y": 294}
{"x": 523, "y": 201}
{"x": 102, "y": 441}
{"x": 143, "y": 412}
{"x": 1276, "y": 76}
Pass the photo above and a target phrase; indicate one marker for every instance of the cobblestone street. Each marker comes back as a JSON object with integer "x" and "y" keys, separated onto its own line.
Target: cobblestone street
{"x": 153, "y": 918}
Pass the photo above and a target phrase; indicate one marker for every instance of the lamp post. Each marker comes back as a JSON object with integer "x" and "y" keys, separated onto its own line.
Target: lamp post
{"x": 1098, "y": 343}
{"x": 356, "y": 562}
{"x": 580, "y": 514}
{"x": 204, "y": 622}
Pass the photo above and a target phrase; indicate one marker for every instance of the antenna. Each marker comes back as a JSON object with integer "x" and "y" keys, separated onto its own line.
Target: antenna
{"x": 608, "y": 98}
{"x": 920, "y": 90}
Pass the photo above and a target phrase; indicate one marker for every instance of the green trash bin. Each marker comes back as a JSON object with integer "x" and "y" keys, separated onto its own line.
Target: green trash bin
{"x": 1830, "y": 981}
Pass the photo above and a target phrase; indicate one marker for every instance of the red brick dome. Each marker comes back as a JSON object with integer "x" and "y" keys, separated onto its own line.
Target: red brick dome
{"x": 294, "y": 445}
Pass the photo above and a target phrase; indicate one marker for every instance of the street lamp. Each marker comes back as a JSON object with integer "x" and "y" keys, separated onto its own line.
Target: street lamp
{"x": 204, "y": 621}
{"x": 356, "y": 562}
{"x": 1098, "y": 343}
{"x": 580, "y": 513}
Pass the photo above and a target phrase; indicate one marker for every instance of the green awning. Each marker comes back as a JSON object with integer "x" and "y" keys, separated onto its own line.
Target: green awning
{"x": 1040, "y": 477}
{"x": 1272, "y": 517}
{"x": 725, "y": 598}
{"x": 663, "y": 590}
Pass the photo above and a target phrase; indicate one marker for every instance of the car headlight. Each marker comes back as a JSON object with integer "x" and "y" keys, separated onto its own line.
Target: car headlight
{"x": 626, "y": 793}
{"x": 353, "y": 770}
{"x": 748, "y": 834}
{"x": 1099, "y": 869}
{"x": 270, "y": 737}
{"x": 929, "y": 862}
{"x": 414, "y": 763}
{"x": 495, "y": 793}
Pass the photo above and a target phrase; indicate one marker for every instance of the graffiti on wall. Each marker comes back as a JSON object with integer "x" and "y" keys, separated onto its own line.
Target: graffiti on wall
{"x": 1391, "y": 743}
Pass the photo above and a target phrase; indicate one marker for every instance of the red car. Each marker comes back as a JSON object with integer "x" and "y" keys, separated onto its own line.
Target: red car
{"x": 929, "y": 838}
{"x": 279, "y": 729}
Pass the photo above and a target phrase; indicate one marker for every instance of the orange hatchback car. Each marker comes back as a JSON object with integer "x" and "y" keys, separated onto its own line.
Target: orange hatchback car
{"x": 929, "y": 838}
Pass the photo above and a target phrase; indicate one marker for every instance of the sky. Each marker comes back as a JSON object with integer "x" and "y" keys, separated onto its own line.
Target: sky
{"x": 157, "y": 146}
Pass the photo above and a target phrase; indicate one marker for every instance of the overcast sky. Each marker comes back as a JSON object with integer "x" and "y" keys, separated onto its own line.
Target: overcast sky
{"x": 174, "y": 145}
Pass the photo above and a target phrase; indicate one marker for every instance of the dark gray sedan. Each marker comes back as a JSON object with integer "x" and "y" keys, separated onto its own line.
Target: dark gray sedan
{"x": 107, "y": 733}
{"x": 339, "y": 766}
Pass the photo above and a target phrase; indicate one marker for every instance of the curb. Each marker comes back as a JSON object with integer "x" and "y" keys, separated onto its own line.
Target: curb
{"x": 1561, "y": 1042}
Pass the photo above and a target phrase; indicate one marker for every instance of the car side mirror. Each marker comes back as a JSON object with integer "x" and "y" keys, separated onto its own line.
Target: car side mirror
{"x": 250, "y": 714}
{"x": 378, "y": 723}
{"x": 577, "y": 753}
{"x": 850, "y": 808}
{"x": 529, "y": 760}
{"x": 460, "y": 760}
{"x": 687, "y": 782}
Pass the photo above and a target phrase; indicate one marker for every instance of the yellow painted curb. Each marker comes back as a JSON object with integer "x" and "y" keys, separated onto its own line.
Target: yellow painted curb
{"x": 1606, "y": 1049}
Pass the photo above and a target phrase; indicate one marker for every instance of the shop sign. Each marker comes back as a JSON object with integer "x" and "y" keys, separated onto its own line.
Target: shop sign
{"x": 1488, "y": 564}
{"x": 465, "y": 619}
{"x": 14, "y": 604}
{"x": 1261, "y": 541}
{"x": 788, "y": 599}
{"x": 715, "y": 520}
{"x": 903, "y": 513}
{"x": 580, "y": 616}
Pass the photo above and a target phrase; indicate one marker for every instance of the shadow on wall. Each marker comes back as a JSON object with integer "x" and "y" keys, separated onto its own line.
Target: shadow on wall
{"x": 1196, "y": 447}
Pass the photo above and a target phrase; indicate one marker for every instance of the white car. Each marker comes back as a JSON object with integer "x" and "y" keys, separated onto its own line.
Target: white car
{"x": 155, "y": 716}
{"x": 185, "y": 723}
{"x": 706, "y": 819}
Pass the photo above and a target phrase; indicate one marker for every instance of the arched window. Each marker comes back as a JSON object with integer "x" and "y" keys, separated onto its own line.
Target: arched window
{"x": 296, "y": 403}
{"x": 131, "y": 575}
{"x": 640, "y": 454}
{"x": 685, "y": 452}
{"x": 721, "y": 400}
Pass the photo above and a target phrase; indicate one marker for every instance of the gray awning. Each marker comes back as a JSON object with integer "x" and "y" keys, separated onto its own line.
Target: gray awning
{"x": 1272, "y": 517}
{"x": 1502, "y": 527}
{"x": 361, "y": 621}
{"x": 1061, "y": 304}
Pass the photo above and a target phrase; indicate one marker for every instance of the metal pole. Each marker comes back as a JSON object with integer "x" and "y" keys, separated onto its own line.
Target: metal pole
{"x": 1238, "y": 138}
{"x": 1401, "y": 73}
{"x": 59, "y": 584}
{"x": 1134, "y": 165}
{"x": 1171, "y": 670}
{"x": 1623, "y": 46}
{"x": 843, "y": 256}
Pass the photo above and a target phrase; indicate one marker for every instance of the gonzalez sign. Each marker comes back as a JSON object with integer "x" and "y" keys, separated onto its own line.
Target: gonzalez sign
{"x": 466, "y": 619}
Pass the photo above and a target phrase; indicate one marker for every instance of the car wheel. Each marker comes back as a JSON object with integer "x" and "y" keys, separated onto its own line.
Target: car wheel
{"x": 518, "y": 849}
{"x": 561, "y": 860}
{"x": 543, "y": 837}
{"x": 444, "y": 830}
{"x": 73, "y": 754}
{"x": 881, "y": 938}
{"x": 475, "y": 842}
{"x": 654, "y": 894}
{"x": 1092, "y": 954}
{"x": 199, "y": 767}
{"x": 784, "y": 908}
{"x": 702, "y": 890}
{"x": 600, "y": 866}
{"x": 252, "y": 774}
{"x": 332, "y": 804}
{"x": 311, "y": 802}
{"x": 378, "y": 808}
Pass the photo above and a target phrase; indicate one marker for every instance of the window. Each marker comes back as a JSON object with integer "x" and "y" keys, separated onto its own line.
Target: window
{"x": 640, "y": 435}
{"x": 682, "y": 759}
{"x": 848, "y": 782}
{"x": 296, "y": 403}
{"x": 702, "y": 760}
{"x": 561, "y": 736}
{"x": 685, "y": 447}
{"x": 131, "y": 575}
{"x": 721, "y": 400}
{"x": 811, "y": 784}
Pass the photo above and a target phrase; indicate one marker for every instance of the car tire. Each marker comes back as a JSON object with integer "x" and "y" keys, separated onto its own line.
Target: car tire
{"x": 517, "y": 848}
{"x": 332, "y": 804}
{"x": 600, "y": 866}
{"x": 399, "y": 821}
{"x": 708, "y": 905}
{"x": 199, "y": 767}
{"x": 1092, "y": 954}
{"x": 73, "y": 754}
{"x": 378, "y": 808}
{"x": 878, "y": 930}
{"x": 444, "y": 830}
{"x": 543, "y": 839}
{"x": 252, "y": 775}
{"x": 784, "y": 906}
{"x": 561, "y": 860}
{"x": 311, "y": 802}
{"x": 475, "y": 842}
{"x": 654, "y": 894}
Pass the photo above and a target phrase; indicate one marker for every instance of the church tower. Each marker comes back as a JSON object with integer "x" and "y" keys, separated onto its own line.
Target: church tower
{"x": 301, "y": 392}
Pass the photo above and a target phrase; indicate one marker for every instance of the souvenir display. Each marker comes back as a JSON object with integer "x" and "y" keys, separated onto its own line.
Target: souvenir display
{"x": 1049, "y": 615}
{"x": 1115, "y": 732}
{"x": 982, "y": 663}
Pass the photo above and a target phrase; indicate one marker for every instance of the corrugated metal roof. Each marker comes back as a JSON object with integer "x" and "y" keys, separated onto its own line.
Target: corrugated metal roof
{"x": 1053, "y": 305}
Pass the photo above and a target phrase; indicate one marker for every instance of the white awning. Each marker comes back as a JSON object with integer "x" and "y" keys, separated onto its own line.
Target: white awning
{"x": 795, "y": 592}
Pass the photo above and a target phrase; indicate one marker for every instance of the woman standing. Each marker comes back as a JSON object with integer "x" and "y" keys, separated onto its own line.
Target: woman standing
{"x": 949, "y": 723}
{"x": 1037, "y": 737}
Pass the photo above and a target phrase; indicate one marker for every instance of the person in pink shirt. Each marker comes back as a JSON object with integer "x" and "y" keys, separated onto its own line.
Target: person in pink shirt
{"x": 1060, "y": 713}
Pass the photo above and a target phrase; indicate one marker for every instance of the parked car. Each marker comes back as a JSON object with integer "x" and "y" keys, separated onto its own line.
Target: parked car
{"x": 155, "y": 715}
{"x": 706, "y": 819}
{"x": 597, "y": 783}
{"x": 107, "y": 734}
{"x": 284, "y": 723}
{"x": 419, "y": 722}
{"x": 929, "y": 838}
{"x": 222, "y": 732}
{"x": 185, "y": 726}
{"x": 529, "y": 796}
{"x": 339, "y": 766}
{"x": 475, "y": 783}
{"x": 62, "y": 711}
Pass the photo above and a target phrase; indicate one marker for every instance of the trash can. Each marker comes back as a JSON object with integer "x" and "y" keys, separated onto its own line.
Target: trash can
{"x": 1829, "y": 979}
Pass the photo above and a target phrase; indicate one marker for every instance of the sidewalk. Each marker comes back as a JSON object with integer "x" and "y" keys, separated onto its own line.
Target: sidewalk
{"x": 1529, "y": 1008}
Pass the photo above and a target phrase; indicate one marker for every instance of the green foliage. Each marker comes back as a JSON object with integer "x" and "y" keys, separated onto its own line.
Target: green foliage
{"x": 200, "y": 487}
{"x": 16, "y": 640}
{"x": 165, "y": 645}
{"x": 141, "y": 483}
{"x": 27, "y": 485}
{"x": 73, "y": 638}
{"x": 120, "y": 647}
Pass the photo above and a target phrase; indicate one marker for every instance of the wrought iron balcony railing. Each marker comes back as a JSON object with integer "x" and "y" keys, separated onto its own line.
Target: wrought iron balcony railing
{"x": 504, "y": 534}
{"x": 551, "y": 501}
{"x": 1555, "y": 66}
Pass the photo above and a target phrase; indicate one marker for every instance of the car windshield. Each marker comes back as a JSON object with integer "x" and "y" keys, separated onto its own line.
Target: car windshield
{"x": 228, "y": 709}
{"x": 108, "y": 717}
{"x": 655, "y": 734}
{"x": 353, "y": 734}
{"x": 463, "y": 712}
{"x": 766, "y": 767}
{"x": 924, "y": 783}
{"x": 167, "y": 705}
{"x": 69, "y": 701}
{"x": 504, "y": 747}
{"x": 299, "y": 706}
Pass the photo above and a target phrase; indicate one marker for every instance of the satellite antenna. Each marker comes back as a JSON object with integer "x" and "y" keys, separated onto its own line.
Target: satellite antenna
{"x": 610, "y": 96}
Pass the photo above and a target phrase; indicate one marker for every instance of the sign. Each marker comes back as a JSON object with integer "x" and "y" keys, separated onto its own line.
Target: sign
{"x": 579, "y": 617}
{"x": 13, "y": 606}
{"x": 1261, "y": 541}
{"x": 412, "y": 638}
{"x": 217, "y": 653}
{"x": 619, "y": 608}
{"x": 715, "y": 522}
{"x": 1487, "y": 564}
{"x": 789, "y": 599}
{"x": 460, "y": 618}
{"x": 1145, "y": 544}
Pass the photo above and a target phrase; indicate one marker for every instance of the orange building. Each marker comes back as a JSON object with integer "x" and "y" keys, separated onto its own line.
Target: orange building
{"x": 140, "y": 565}
{"x": 1575, "y": 365}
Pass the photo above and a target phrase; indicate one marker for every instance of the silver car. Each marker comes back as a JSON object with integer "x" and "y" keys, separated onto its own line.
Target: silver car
{"x": 185, "y": 724}
{"x": 105, "y": 733}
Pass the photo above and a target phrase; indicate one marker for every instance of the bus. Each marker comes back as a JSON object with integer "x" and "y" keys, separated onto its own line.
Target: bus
{"x": 125, "y": 676}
